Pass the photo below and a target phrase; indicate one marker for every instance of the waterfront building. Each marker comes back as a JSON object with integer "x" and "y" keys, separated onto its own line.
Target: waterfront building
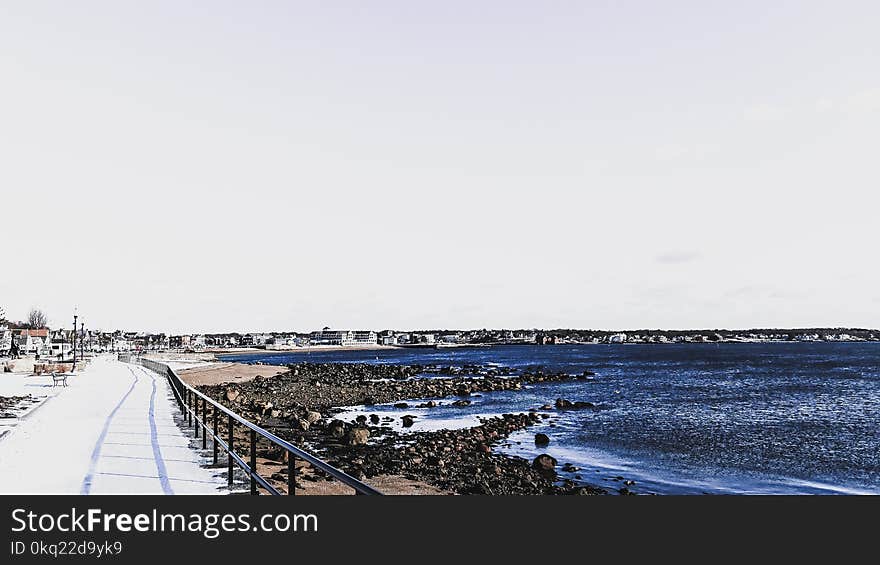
{"x": 343, "y": 337}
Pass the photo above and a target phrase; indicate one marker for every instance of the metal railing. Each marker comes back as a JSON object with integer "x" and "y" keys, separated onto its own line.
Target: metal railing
{"x": 191, "y": 402}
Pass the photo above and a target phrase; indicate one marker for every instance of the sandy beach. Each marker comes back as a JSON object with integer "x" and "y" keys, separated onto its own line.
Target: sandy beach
{"x": 219, "y": 373}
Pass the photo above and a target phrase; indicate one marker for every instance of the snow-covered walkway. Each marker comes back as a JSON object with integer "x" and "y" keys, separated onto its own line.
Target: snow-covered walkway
{"x": 112, "y": 430}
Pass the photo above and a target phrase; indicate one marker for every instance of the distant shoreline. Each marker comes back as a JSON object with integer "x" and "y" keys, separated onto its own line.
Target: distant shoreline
{"x": 235, "y": 351}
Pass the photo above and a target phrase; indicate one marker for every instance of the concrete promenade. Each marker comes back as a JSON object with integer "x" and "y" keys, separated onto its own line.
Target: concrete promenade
{"x": 112, "y": 430}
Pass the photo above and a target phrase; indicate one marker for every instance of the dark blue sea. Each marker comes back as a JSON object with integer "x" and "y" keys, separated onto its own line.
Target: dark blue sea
{"x": 773, "y": 418}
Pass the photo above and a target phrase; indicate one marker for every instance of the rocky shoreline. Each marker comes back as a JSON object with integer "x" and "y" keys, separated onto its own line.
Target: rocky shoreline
{"x": 300, "y": 405}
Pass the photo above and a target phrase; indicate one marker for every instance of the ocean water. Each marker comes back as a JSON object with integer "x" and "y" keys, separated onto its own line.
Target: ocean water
{"x": 768, "y": 418}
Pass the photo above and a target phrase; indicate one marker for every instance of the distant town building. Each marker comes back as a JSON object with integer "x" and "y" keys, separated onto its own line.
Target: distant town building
{"x": 5, "y": 340}
{"x": 180, "y": 341}
{"x": 428, "y": 339}
{"x": 343, "y": 337}
{"x": 617, "y": 338}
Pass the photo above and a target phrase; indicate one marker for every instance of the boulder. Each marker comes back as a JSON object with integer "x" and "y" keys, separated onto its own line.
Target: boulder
{"x": 374, "y": 419}
{"x": 302, "y": 424}
{"x": 541, "y": 439}
{"x": 232, "y": 394}
{"x": 336, "y": 428}
{"x": 357, "y": 436}
{"x": 563, "y": 404}
{"x": 312, "y": 416}
{"x": 461, "y": 403}
{"x": 401, "y": 405}
{"x": 408, "y": 421}
{"x": 545, "y": 464}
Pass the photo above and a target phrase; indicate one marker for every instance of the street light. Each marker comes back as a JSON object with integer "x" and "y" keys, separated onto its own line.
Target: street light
{"x": 73, "y": 340}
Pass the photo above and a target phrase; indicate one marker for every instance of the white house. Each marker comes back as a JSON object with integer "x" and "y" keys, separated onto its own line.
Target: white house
{"x": 361, "y": 337}
{"x": 429, "y": 339}
{"x": 58, "y": 349}
{"x": 5, "y": 340}
{"x": 617, "y": 338}
{"x": 26, "y": 344}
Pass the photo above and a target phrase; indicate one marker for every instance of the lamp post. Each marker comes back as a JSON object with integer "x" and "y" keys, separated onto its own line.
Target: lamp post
{"x": 73, "y": 339}
{"x": 82, "y": 341}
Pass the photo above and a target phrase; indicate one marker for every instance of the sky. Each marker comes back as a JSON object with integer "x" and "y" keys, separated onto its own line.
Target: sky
{"x": 268, "y": 166}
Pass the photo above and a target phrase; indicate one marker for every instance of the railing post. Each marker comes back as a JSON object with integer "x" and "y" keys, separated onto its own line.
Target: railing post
{"x": 291, "y": 474}
{"x": 196, "y": 414}
{"x": 204, "y": 424}
{"x": 253, "y": 462}
{"x": 229, "y": 441}
{"x": 214, "y": 414}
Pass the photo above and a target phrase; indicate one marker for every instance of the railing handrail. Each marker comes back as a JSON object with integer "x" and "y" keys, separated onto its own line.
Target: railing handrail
{"x": 359, "y": 486}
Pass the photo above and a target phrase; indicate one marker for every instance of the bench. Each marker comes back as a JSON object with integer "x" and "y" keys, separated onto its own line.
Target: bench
{"x": 59, "y": 378}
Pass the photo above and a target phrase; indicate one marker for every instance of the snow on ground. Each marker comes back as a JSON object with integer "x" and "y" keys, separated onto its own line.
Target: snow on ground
{"x": 112, "y": 430}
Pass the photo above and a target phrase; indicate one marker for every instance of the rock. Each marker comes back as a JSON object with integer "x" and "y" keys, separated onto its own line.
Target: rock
{"x": 374, "y": 419}
{"x": 563, "y": 404}
{"x": 232, "y": 394}
{"x": 541, "y": 439}
{"x": 545, "y": 464}
{"x": 357, "y": 436}
{"x": 361, "y": 419}
{"x": 430, "y": 404}
{"x": 302, "y": 424}
{"x": 546, "y": 407}
{"x": 312, "y": 416}
{"x": 275, "y": 454}
{"x": 336, "y": 428}
{"x": 401, "y": 405}
{"x": 587, "y": 491}
{"x": 483, "y": 448}
{"x": 408, "y": 421}
{"x": 461, "y": 403}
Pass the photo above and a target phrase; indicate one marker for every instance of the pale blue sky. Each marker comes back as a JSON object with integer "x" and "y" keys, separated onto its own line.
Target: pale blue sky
{"x": 290, "y": 165}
